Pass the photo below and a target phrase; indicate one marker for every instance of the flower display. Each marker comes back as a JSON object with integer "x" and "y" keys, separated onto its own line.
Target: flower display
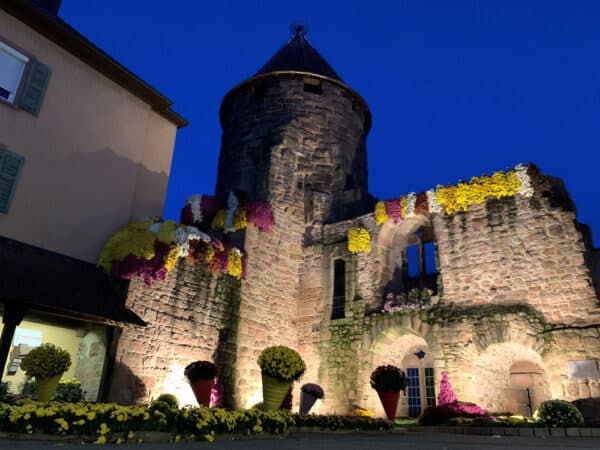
{"x": 415, "y": 299}
{"x": 200, "y": 370}
{"x": 558, "y": 413}
{"x": 234, "y": 214}
{"x": 45, "y": 361}
{"x": 281, "y": 362}
{"x": 388, "y": 378}
{"x": 313, "y": 389}
{"x": 459, "y": 197}
{"x": 359, "y": 240}
{"x": 150, "y": 249}
{"x": 380, "y": 214}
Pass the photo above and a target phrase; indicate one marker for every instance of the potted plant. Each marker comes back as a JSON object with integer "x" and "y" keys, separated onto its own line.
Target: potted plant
{"x": 280, "y": 366}
{"x": 388, "y": 381}
{"x": 46, "y": 363}
{"x": 201, "y": 375}
{"x": 309, "y": 394}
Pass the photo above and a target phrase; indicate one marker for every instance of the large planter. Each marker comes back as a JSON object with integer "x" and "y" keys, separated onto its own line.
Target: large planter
{"x": 202, "y": 390}
{"x": 307, "y": 400}
{"x": 274, "y": 392}
{"x": 389, "y": 400}
{"x": 47, "y": 386}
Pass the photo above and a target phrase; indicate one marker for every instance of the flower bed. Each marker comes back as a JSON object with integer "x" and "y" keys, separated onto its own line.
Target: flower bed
{"x": 112, "y": 423}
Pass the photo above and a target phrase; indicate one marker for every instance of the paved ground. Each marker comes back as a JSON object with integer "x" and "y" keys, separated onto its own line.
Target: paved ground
{"x": 414, "y": 441}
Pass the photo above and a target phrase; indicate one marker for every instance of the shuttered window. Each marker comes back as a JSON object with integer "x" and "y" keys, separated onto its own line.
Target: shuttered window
{"x": 10, "y": 169}
{"x": 16, "y": 71}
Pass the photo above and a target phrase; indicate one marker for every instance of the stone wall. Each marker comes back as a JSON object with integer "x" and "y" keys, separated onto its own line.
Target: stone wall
{"x": 316, "y": 141}
{"x": 192, "y": 315}
{"x": 517, "y": 250}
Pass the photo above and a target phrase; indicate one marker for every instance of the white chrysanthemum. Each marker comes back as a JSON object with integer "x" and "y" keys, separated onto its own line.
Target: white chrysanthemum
{"x": 232, "y": 204}
{"x": 195, "y": 202}
{"x": 526, "y": 188}
{"x": 434, "y": 206}
{"x": 237, "y": 250}
{"x": 411, "y": 202}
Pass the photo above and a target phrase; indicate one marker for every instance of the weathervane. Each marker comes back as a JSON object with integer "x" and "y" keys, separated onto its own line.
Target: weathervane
{"x": 299, "y": 27}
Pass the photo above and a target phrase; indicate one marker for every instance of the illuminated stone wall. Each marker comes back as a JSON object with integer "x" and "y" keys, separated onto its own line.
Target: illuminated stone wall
{"x": 192, "y": 315}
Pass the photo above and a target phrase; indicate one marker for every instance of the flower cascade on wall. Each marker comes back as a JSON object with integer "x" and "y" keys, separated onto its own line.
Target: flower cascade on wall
{"x": 229, "y": 215}
{"x": 459, "y": 197}
{"x": 359, "y": 240}
{"x": 150, "y": 248}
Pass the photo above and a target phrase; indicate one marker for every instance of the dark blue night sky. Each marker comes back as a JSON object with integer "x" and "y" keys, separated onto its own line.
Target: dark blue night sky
{"x": 456, "y": 88}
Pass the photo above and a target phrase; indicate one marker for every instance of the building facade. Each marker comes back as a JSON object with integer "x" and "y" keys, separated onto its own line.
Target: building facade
{"x": 85, "y": 147}
{"x": 492, "y": 282}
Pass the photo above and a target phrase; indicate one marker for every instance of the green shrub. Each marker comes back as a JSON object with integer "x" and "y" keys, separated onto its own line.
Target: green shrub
{"x": 45, "y": 361}
{"x": 437, "y": 415}
{"x": 282, "y": 363}
{"x": 68, "y": 391}
{"x": 169, "y": 399}
{"x": 558, "y": 413}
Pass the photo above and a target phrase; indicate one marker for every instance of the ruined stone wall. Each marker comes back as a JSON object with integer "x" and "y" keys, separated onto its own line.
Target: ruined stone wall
{"x": 191, "y": 316}
{"x": 517, "y": 250}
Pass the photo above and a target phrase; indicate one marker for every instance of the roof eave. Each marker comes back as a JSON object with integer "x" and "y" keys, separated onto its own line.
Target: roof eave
{"x": 361, "y": 101}
{"x": 62, "y": 34}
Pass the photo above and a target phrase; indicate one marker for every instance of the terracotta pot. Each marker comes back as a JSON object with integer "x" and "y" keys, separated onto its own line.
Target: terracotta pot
{"x": 47, "y": 386}
{"x": 307, "y": 401}
{"x": 389, "y": 400}
{"x": 201, "y": 390}
{"x": 274, "y": 392}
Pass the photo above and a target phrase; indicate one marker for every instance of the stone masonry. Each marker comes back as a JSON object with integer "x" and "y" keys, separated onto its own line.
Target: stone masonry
{"x": 514, "y": 304}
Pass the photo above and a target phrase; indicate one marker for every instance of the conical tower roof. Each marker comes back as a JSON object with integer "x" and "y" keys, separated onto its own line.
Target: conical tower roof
{"x": 298, "y": 55}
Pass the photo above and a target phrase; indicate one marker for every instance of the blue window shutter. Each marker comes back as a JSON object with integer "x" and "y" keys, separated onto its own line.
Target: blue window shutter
{"x": 10, "y": 169}
{"x": 35, "y": 88}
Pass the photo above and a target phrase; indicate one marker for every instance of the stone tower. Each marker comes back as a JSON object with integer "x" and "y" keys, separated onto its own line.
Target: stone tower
{"x": 294, "y": 134}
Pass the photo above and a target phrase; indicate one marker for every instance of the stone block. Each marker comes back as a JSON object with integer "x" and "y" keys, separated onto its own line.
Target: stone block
{"x": 573, "y": 432}
{"x": 541, "y": 432}
{"x": 557, "y": 432}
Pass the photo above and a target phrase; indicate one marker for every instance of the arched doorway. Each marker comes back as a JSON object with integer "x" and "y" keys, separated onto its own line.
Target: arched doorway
{"x": 508, "y": 378}
{"x": 528, "y": 388}
{"x": 412, "y": 354}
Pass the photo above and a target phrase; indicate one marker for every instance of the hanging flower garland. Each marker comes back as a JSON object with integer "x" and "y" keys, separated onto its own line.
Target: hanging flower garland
{"x": 207, "y": 211}
{"x": 359, "y": 240}
{"x": 453, "y": 198}
{"x": 151, "y": 248}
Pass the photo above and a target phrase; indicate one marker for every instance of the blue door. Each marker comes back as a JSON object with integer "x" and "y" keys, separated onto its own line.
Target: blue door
{"x": 414, "y": 392}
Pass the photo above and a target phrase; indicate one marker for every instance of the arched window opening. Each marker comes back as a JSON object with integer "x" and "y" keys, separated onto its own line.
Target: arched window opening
{"x": 339, "y": 289}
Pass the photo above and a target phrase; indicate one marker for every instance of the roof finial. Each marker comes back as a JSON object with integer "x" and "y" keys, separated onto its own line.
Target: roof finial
{"x": 299, "y": 27}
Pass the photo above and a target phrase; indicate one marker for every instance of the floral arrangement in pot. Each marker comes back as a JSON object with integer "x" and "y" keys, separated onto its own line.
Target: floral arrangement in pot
{"x": 201, "y": 375}
{"x": 309, "y": 394}
{"x": 280, "y": 367}
{"x": 388, "y": 381}
{"x": 46, "y": 363}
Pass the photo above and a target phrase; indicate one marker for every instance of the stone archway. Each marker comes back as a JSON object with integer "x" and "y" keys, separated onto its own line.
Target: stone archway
{"x": 508, "y": 377}
{"x": 401, "y": 347}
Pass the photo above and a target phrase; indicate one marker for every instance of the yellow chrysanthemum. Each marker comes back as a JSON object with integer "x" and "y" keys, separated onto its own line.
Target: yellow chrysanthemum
{"x": 359, "y": 240}
{"x": 234, "y": 267}
{"x": 171, "y": 258}
{"x": 166, "y": 232}
{"x": 218, "y": 222}
{"x": 380, "y": 214}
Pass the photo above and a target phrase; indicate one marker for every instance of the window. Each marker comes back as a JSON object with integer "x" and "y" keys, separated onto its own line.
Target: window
{"x": 313, "y": 86}
{"x": 23, "y": 80}
{"x": 12, "y": 66}
{"x": 339, "y": 289}
{"x": 10, "y": 168}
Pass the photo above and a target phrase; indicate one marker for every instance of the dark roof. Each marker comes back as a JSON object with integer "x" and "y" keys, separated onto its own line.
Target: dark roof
{"x": 50, "y": 282}
{"x": 300, "y": 56}
{"x": 61, "y": 33}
